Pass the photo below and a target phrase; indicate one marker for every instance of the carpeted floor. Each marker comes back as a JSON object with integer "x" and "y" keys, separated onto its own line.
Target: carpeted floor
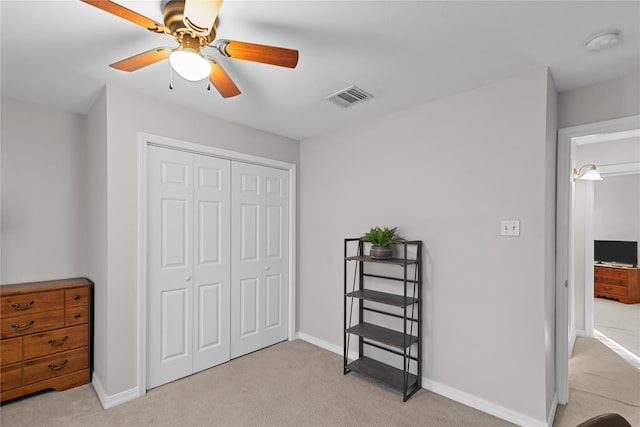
{"x": 298, "y": 384}
{"x": 289, "y": 384}
{"x": 619, "y": 322}
{"x": 600, "y": 381}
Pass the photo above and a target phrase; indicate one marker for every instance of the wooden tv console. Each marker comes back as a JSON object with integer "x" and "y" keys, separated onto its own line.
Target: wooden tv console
{"x": 619, "y": 283}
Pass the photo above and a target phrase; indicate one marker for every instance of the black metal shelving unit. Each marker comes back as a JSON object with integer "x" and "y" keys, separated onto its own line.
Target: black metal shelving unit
{"x": 405, "y": 304}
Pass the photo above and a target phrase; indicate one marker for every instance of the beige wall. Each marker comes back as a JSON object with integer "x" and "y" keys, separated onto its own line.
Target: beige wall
{"x": 43, "y": 210}
{"x": 612, "y": 99}
{"x": 446, "y": 173}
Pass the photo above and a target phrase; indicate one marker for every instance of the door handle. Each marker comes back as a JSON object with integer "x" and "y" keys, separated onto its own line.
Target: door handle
{"x": 266, "y": 268}
{"x": 187, "y": 279}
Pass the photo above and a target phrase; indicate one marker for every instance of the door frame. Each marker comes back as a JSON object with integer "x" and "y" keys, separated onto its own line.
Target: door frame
{"x": 565, "y": 336}
{"x": 146, "y": 139}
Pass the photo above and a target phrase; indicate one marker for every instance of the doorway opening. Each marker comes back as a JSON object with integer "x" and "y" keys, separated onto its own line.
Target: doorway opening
{"x": 567, "y": 303}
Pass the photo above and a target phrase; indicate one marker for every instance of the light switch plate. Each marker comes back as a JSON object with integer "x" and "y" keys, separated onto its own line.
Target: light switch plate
{"x": 510, "y": 227}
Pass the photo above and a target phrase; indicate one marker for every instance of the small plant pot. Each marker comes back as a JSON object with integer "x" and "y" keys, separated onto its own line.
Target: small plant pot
{"x": 380, "y": 252}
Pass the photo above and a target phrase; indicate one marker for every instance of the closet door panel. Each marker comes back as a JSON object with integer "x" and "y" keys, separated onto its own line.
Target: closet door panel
{"x": 275, "y": 256}
{"x": 212, "y": 267}
{"x": 259, "y": 294}
{"x": 246, "y": 263}
{"x": 170, "y": 264}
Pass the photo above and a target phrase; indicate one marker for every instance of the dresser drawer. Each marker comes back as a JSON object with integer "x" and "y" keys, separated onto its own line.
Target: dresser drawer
{"x": 610, "y": 289}
{"x": 55, "y": 365}
{"x": 620, "y": 274}
{"x": 76, "y": 297}
{"x": 76, "y": 316}
{"x": 11, "y": 376}
{"x": 31, "y": 323}
{"x": 34, "y": 302}
{"x": 610, "y": 280}
{"x": 56, "y": 341}
{"x": 10, "y": 351}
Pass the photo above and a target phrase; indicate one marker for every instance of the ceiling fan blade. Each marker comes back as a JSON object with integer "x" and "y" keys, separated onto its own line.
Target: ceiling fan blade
{"x": 142, "y": 59}
{"x": 128, "y": 14}
{"x": 221, "y": 81}
{"x": 200, "y": 15}
{"x": 259, "y": 53}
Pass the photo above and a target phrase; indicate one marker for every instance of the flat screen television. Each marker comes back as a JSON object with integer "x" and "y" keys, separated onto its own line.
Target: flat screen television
{"x": 616, "y": 252}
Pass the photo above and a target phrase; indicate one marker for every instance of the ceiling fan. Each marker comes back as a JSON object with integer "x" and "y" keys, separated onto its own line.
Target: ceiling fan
{"x": 193, "y": 24}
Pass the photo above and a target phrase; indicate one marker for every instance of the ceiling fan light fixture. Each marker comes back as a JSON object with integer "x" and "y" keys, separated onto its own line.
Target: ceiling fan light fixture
{"x": 189, "y": 64}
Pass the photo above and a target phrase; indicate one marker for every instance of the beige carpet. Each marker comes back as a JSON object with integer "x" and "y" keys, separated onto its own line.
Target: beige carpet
{"x": 619, "y": 322}
{"x": 599, "y": 381}
{"x": 289, "y": 384}
{"x": 298, "y": 384}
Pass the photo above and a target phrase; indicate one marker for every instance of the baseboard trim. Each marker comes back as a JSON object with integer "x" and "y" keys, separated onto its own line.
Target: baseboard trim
{"x": 450, "y": 392}
{"x": 482, "y": 404}
{"x": 114, "y": 400}
{"x": 325, "y": 345}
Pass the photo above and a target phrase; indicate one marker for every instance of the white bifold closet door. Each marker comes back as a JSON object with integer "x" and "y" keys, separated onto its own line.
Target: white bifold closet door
{"x": 188, "y": 264}
{"x": 259, "y": 257}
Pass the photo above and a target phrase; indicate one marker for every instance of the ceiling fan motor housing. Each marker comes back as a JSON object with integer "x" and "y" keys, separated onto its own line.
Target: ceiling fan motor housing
{"x": 173, "y": 11}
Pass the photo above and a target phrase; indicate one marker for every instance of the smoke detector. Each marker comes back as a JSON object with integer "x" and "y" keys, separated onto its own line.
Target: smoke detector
{"x": 349, "y": 96}
{"x": 602, "y": 41}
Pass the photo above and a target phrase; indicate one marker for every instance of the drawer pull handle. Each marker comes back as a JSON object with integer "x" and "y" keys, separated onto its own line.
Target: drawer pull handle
{"x": 16, "y": 306}
{"x": 60, "y": 366}
{"x": 77, "y": 315}
{"x": 76, "y": 297}
{"x": 22, "y": 328}
{"x": 59, "y": 343}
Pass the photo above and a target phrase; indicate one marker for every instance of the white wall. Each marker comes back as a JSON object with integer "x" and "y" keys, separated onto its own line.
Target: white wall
{"x": 608, "y": 100}
{"x": 127, "y": 114}
{"x": 43, "y": 209}
{"x": 617, "y": 208}
{"x": 447, "y": 173}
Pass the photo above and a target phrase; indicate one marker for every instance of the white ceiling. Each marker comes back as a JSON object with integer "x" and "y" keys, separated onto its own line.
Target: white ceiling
{"x": 56, "y": 53}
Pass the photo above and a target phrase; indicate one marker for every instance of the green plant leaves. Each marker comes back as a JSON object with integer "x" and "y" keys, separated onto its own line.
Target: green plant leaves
{"x": 380, "y": 236}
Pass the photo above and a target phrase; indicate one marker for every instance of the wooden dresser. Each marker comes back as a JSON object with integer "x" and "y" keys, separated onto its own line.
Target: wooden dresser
{"x": 46, "y": 336}
{"x": 620, "y": 283}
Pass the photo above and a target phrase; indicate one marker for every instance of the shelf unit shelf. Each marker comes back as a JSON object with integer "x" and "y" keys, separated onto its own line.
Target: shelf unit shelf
{"x": 402, "y": 342}
{"x": 383, "y": 297}
{"x": 382, "y": 335}
{"x": 394, "y": 261}
{"x": 388, "y": 375}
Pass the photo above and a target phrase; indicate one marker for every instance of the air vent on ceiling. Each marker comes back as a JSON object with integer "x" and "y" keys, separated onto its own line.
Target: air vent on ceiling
{"x": 347, "y": 97}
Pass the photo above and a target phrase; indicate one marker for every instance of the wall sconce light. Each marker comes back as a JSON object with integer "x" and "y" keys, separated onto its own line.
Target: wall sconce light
{"x": 591, "y": 174}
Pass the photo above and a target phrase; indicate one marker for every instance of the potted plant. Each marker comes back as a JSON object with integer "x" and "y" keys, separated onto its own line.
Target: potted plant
{"x": 382, "y": 239}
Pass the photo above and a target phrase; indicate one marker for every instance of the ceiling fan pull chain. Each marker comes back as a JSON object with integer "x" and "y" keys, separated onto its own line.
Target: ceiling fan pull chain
{"x": 170, "y": 78}
{"x": 208, "y": 86}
